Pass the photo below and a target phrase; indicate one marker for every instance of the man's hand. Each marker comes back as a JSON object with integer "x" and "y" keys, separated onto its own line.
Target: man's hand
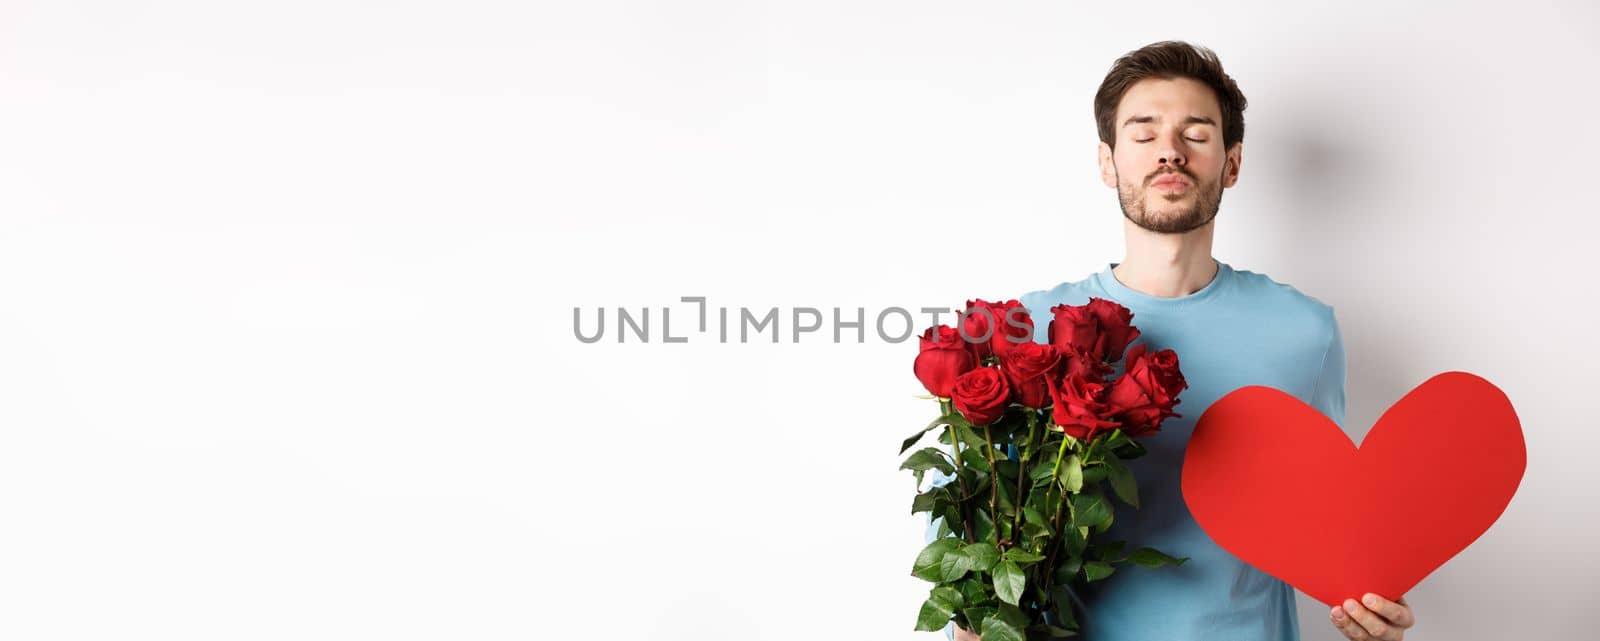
{"x": 963, "y": 634}
{"x": 1380, "y": 620}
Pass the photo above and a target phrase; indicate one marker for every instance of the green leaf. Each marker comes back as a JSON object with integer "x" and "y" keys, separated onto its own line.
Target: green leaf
{"x": 1007, "y": 505}
{"x": 1074, "y": 474}
{"x": 1009, "y": 581}
{"x": 927, "y": 458}
{"x": 1021, "y": 556}
{"x": 1129, "y": 450}
{"x": 1040, "y": 497}
{"x": 1094, "y": 473}
{"x": 929, "y": 560}
{"x": 951, "y": 518}
{"x": 1001, "y": 626}
{"x": 983, "y": 526}
{"x": 973, "y": 457}
{"x": 1035, "y": 532}
{"x": 1105, "y": 526}
{"x": 1075, "y": 539}
{"x": 1117, "y": 438}
{"x": 949, "y": 594}
{"x": 912, "y": 440}
{"x": 1152, "y": 558}
{"x": 954, "y": 565}
{"x": 929, "y": 501}
{"x": 983, "y": 554}
{"x": 1096, "y": 570}
{"x": 1109, "y": 552}
{"x": 1122, "y": 482}
{"x": 1034, "y": 521}
{"x": 1041, "y": 470}
{"x": 1068, "y": 567}
{"x": 971, "y": 437}
{"x": 973, "y": 589}
{"x": 1062, "y": 604}
{"x": 976, "y": 616}
{"x": 1013, "y": 615}
{"x": 1090, "y": 510}
{"x": 935, "y": 614}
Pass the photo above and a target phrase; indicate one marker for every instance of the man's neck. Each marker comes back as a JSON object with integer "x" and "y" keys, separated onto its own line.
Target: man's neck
{"x": 1166, "y": 265}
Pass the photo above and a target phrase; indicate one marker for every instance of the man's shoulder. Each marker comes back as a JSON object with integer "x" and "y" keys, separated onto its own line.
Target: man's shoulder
{"x": 1280, "y": 295}
{"x": 1072, "y": 292}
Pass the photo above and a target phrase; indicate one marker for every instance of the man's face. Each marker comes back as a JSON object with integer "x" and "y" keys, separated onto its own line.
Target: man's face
{"x": 1169, "y": 167}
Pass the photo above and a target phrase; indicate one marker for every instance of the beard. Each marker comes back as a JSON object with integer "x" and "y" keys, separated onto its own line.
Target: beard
{"x": 1156, "y": 211}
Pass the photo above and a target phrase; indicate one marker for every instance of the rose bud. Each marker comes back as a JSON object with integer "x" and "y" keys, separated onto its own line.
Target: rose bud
{"x": 943, "y": 357}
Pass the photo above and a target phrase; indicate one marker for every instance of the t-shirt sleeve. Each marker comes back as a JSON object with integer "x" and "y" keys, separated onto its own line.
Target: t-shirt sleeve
{"x": 1328, "y": 395}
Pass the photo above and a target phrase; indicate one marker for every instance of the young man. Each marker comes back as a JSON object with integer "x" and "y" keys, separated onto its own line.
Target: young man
{"x": 1171, "y": 129}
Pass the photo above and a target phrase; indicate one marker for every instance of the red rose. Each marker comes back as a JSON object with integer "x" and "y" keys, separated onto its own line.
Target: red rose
{"x": 1079, "y": 406}
{"x": 1029, "y": 368}
{"x": 1147, "y": 391}
{"x": 1010, "y": 322}
{"x": 1013, "y": 326}
{"x": 943, "y": 357}
{"x": 981, "y": 395}
{"x": 1076, "y": 361}
{"x": 1101, "y": 328}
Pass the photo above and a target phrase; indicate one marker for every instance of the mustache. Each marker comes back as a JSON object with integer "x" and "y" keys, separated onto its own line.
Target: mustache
{"x": 1157, "y": 176}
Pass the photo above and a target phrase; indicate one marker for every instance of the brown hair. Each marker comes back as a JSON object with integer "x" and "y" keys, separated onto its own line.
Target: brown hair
{"x": 1169, "y": 59}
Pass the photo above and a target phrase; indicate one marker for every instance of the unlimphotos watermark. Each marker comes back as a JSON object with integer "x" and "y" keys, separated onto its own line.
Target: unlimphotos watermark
{"x": 890, "y": 324}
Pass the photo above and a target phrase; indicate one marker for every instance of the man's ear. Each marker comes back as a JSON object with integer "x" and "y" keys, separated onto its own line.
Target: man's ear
{"x": 1108, "y": 169}
{"x": 1230, "y": 173}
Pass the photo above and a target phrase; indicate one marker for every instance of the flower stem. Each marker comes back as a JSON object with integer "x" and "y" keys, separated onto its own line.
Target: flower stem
{"x": 955, "y": 444}
{"x": 1022, "y": 470}
{"x": 994, "y": 483}
{"x": 1057, "y": 469}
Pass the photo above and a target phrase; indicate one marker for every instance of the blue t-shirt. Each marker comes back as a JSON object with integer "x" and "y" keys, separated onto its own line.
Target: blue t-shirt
{"x": 1242, "y": 329}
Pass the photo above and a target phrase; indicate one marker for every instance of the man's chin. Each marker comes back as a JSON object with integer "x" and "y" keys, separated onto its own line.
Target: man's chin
{"x": 1169, "y": 222}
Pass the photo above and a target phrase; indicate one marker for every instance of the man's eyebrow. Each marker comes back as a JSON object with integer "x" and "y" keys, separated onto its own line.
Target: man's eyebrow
{"x": 1188, "y": 121}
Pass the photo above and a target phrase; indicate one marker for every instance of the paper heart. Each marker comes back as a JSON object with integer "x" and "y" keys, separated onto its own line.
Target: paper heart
{"x": 1280, "y": 486}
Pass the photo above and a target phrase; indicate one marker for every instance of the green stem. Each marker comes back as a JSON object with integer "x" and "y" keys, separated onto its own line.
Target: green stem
{"x": 1057, "y": 469}
{"x": 994, "y": 483}
{"x": 1022, "y": 470}
{"x": 955, "y": 444}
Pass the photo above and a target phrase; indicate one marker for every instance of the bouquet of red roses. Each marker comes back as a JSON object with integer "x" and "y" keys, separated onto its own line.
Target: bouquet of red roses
{"x": 1035, "y": 431}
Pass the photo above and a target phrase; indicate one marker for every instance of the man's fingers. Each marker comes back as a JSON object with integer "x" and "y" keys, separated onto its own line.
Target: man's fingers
{"x": 1372, "y": 623}
{"x": 1347, "y": 626}
{"x": 1397, "y": 612}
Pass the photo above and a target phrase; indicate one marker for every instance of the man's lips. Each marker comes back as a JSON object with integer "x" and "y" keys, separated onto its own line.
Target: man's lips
{"x": 1172, "y": 182}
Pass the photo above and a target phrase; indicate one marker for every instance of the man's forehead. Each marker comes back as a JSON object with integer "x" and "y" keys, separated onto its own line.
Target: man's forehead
{"x": 1152, "y": 117}
{"x": 1161, "y": 100}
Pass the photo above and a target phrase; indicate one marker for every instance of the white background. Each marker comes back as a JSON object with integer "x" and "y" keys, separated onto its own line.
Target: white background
{"x": 286, "y": 293}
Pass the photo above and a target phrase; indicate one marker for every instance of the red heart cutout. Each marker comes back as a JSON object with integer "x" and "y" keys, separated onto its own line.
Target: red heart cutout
{"x": 1280, "y": 486}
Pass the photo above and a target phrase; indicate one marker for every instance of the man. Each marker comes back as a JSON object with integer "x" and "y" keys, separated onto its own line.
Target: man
{"x": 1171, "y": 128}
